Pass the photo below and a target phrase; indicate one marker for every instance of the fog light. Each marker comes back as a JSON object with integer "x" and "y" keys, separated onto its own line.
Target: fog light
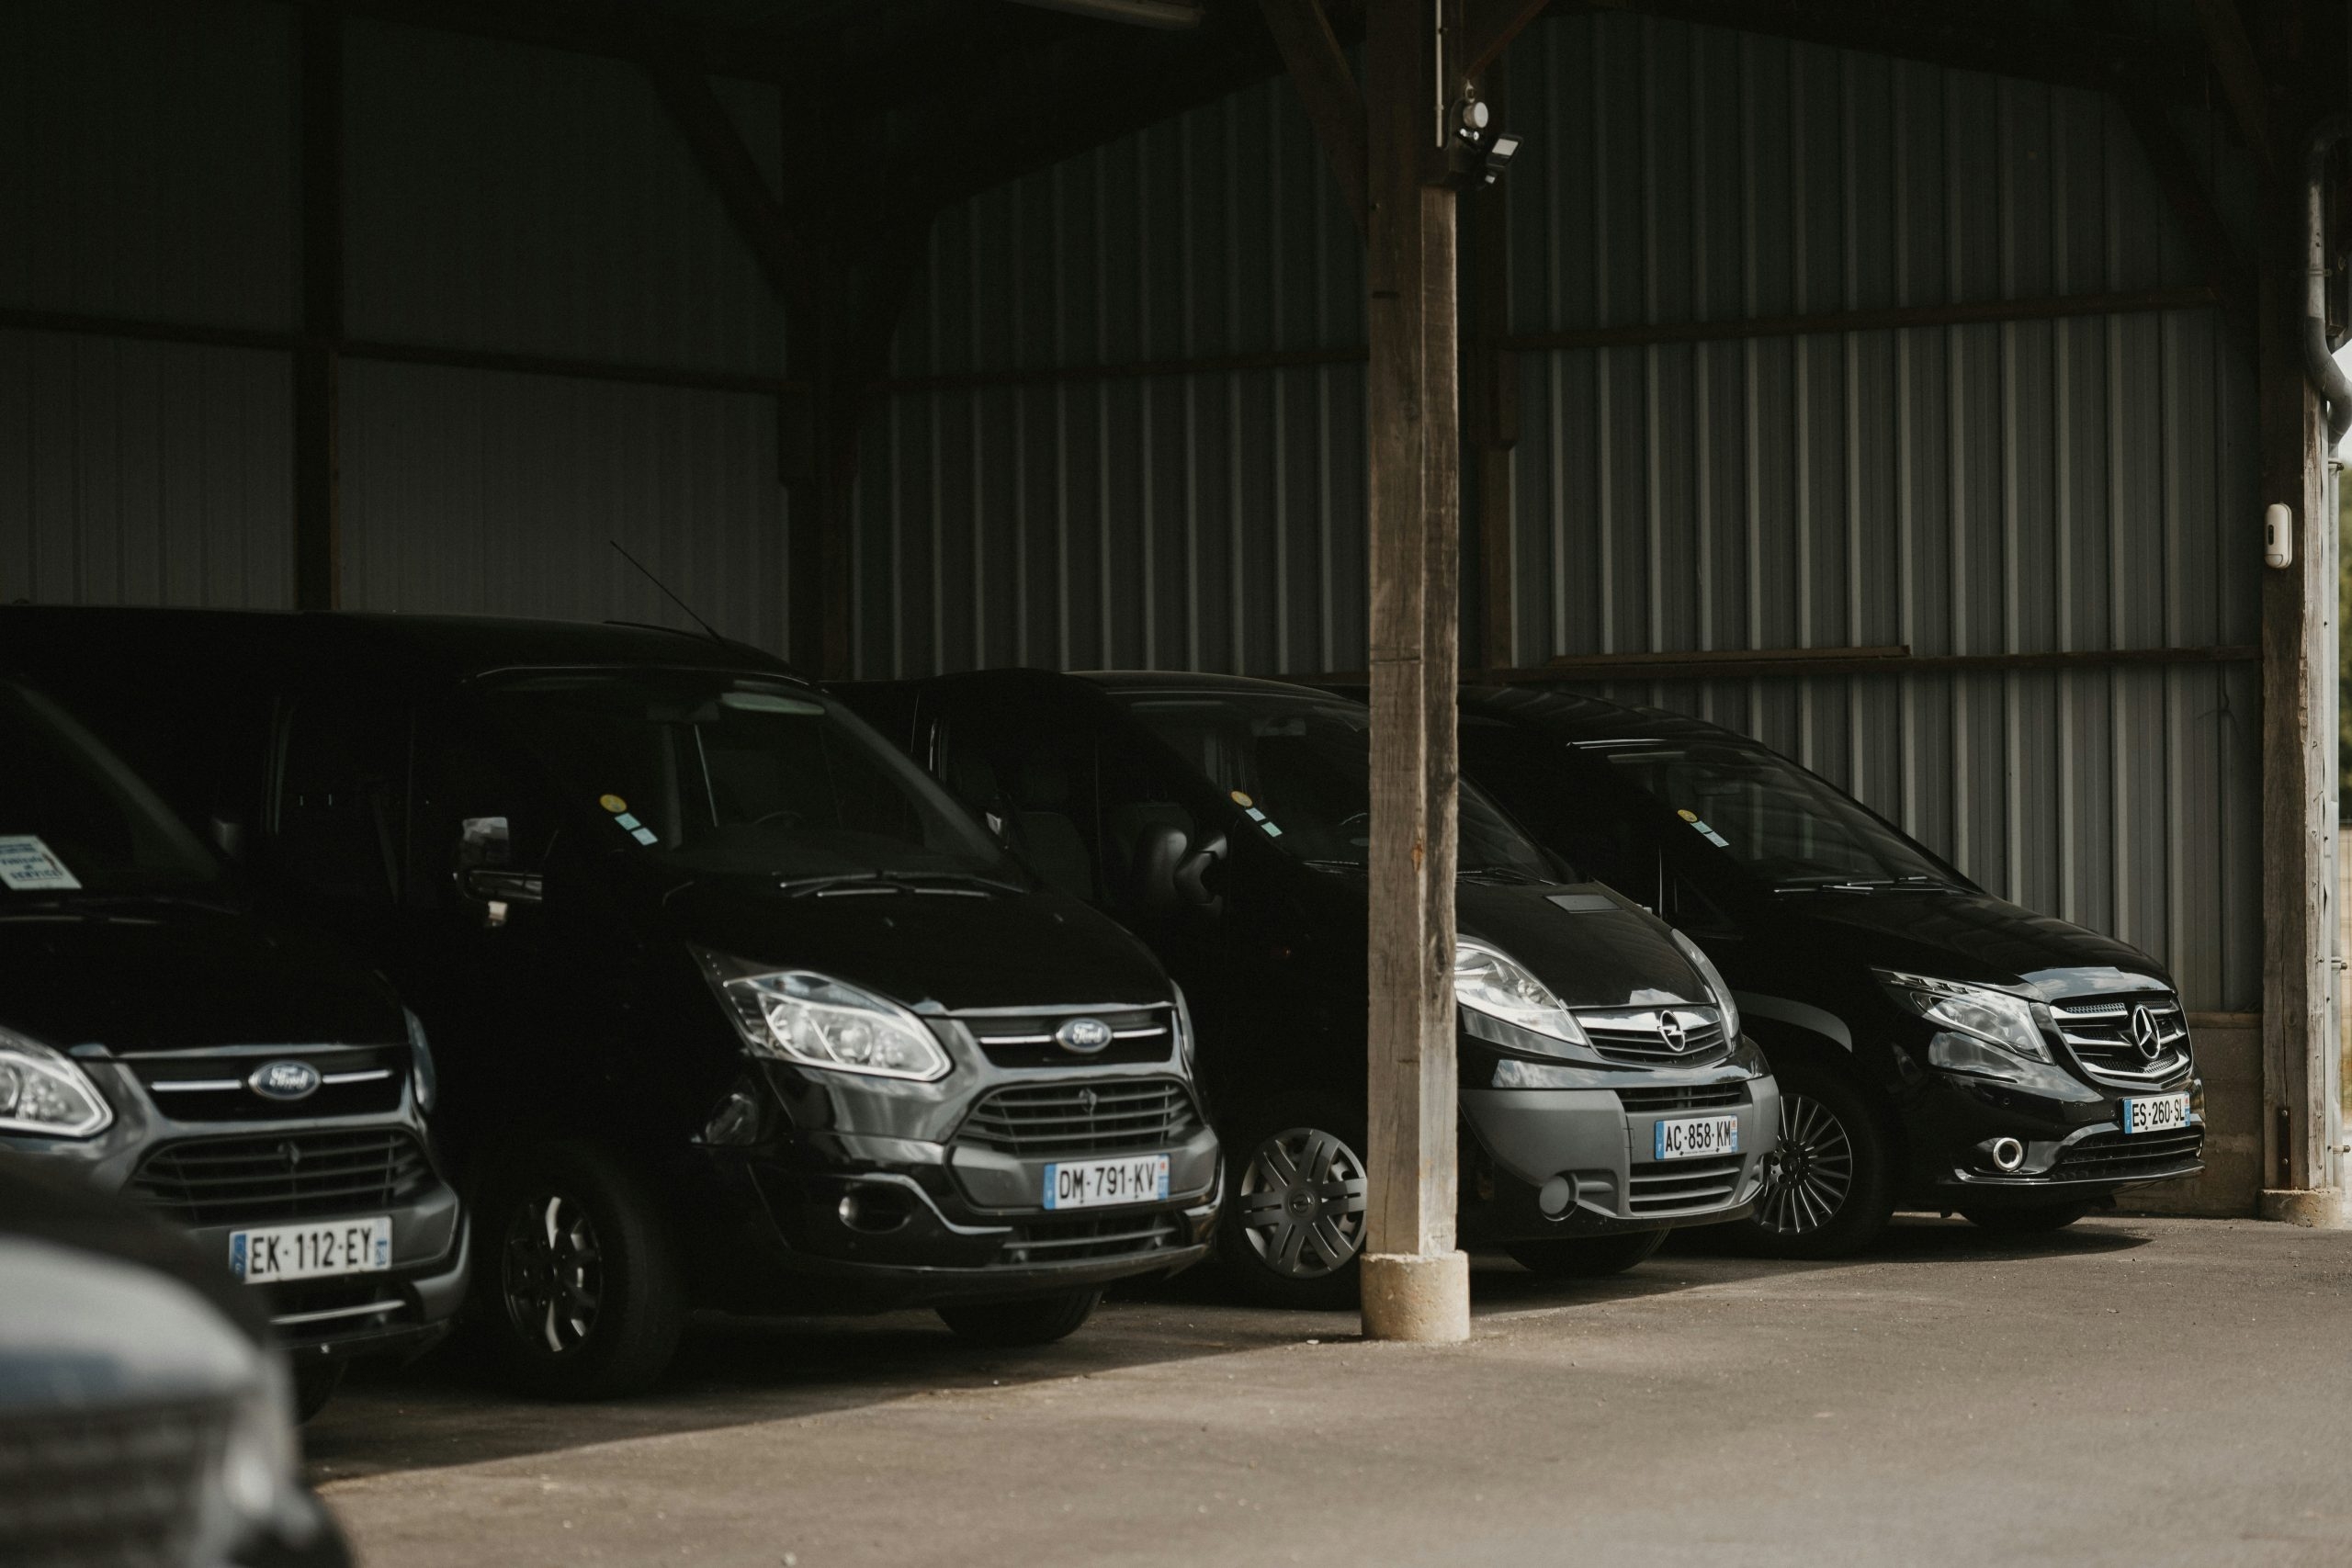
{"x": 2008, "y": 1154}
{"x": 875, "y": 1209}
{"x": 1557, "y": 1196}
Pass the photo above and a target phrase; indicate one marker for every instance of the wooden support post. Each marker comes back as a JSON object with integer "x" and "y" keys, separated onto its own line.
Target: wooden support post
{"x": 1494, "y": 406}
{"x": 2298, "y": 751}
{"x": 318, "y": 369}
{"x": 1415, "y": 1283}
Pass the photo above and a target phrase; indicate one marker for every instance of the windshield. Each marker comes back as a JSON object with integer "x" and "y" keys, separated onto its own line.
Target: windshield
{"x": 1784, "y": 826}
{"x": 713, "y": 772}
{"x": 75, "y": 822}
{"x": 1301, "y": 767}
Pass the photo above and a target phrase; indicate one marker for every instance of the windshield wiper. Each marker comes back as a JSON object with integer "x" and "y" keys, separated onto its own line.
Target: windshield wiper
{"x": 1509, "y": 874}
{"x": 880, "y": 881}
{"x": 1868, "y": 885}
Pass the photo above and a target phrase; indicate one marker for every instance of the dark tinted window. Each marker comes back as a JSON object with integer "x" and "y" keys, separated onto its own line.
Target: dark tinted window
{"x": 341, "y": 827}
{"x": 73, "y": 819}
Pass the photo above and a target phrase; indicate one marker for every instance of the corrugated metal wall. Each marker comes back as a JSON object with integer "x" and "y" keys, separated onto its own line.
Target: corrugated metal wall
{"x": 499, "y": 198}
{"x": 2080, "y": 484}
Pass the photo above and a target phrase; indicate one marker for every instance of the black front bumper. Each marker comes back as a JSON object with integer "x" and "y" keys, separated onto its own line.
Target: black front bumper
{"x": 926, "y": 1222}
{"x": 2076, "y": 1149}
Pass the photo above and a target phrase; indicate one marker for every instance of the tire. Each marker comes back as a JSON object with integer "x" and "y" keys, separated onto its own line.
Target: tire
{"x": 315, "y": 1380}
{"x": 1834, "y": 1187}
{"x": 1292, "y": 1232}
{"x": 584, "y": 1298}
{"x": 2036, "y": 1221}
{"x": 1012, "y": 1325}
{"x": 1586, "y": 1258}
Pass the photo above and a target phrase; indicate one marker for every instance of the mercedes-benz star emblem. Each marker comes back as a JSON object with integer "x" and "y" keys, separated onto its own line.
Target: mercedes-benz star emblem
{"x": 1083, "y": 1036}
{"x": 283, "y": 1080}
{"x": 2146, "y": 1032}
{"x": 1670, "y": 1029}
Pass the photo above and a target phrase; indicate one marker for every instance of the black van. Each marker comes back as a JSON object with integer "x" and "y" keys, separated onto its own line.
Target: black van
{"x": 1606, "y": 1090}
{"x": 734, "y": 1006}
{"x": 238, "y": 1075}
{"x": 1935, "y": 1045}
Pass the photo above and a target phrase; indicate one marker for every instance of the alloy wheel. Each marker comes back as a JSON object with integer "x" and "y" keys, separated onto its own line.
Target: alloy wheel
{"x": 1814, "y": 1173}
{"x": 554, "y": 1274}
{"x": 1302, "y": 1204}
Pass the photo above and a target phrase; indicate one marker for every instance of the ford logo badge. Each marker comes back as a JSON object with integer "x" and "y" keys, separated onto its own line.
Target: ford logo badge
{"x": 1083, "y": 1036}
{"x": 285, "y": 1080}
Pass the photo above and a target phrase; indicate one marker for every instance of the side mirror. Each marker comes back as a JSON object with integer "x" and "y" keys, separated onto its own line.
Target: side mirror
{"x": 486, "y": 872}
{"x": 227, "y": 830}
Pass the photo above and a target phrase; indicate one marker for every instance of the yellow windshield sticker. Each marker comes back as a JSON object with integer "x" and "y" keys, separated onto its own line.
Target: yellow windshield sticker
{"x": 1242, "y": 800}
{"x": 612, "y": 803}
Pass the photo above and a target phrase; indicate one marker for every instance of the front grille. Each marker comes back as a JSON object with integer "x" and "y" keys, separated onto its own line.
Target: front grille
{"x": 2105, "y": 1034}
{"x": 79, "y": 1489}
{"x": 1684, "y": 1097}
{"x": 1663, "y": 1187}
{"x": 1640, "y": 1035}
{"x": 297, "y": 1175}
{"x": 1027, "y": 1039}
{"x": 196, "y": 1086}
{"x": 2124, "y": 1155}
{"x": 1073, "y": 1241}
{"x": 1073, "y": 1120}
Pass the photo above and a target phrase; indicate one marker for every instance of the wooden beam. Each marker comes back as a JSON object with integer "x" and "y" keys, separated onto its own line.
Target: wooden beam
{"x": 2298, "y": 751}
{"x": 318, "y": 371}
{"x": 787, "y": 262}
{"x": 2226, "y": 273}
{"x": 1319, "y": 72}
{"x": 1493, "y": 25}
{"x": 1493, "y": 406}
{"x": 2242, "y": 80}
{"x": 1415, "y": 1283}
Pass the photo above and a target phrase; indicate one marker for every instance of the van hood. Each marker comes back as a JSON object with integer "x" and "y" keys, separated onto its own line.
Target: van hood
{"x": 957, "y": 951}
{"x": 143, "y": 977}
{"x": 1968, "y": 936}
{"x": 1593, "y": 947}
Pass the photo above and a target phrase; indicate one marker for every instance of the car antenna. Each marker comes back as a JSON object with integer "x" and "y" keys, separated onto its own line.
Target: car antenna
{"x": 674, "y": 599}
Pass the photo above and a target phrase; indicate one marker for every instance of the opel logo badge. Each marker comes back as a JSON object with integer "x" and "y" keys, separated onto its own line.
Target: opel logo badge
{"x": 283, "y": 1080}
{"x": 1083, "y": 1036}
{"x": 2146, "y": 1033}
{"x": 1670, "y": 1029}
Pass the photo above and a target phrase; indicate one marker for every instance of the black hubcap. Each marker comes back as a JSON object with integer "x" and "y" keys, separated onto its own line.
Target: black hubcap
{"x": 1302, "y": 1204}
{"x": 552, "y": 1273}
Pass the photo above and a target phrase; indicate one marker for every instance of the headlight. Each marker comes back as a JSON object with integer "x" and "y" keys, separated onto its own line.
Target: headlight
{"x": 820, "y": 1021}
{"x": 45, "y": 1092}
{"x": 421, "y": 1069}
{"x": 1499, "y": 986}
{"x": 1995, "y": 1017}
{"x": 1713, "y": 976}
{"x": 1183, "y": 1029}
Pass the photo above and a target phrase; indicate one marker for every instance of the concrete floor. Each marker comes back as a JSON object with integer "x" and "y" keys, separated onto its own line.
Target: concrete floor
{"x": 2133, "y": 1391}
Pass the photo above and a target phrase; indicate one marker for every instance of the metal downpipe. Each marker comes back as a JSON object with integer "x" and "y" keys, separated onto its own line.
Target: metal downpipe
{"x": 2327, "y": 377}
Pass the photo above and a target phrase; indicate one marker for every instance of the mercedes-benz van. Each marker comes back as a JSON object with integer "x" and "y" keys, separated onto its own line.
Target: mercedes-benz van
{"x": 1935, "y": 1045}
{"x": 238, "y": 1076}
{"x": 1606, "y": 1091}
{"x": 734, "y": 1006}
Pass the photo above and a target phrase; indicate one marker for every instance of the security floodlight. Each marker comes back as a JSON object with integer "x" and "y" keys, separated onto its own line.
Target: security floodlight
{"x": 1499, "y": 152}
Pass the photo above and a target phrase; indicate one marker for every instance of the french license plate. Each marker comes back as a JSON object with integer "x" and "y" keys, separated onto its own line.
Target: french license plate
{"x": 266, "y": 1256}
{"x": 1088, "y": 1183}
{"x": 2156, "y": 1113}
{"x": 1692, "y": 1137}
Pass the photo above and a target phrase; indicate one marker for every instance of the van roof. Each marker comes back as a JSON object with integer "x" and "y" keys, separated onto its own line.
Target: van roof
{"x": 1576, "y": 717}
{"x": 451, "y": 646}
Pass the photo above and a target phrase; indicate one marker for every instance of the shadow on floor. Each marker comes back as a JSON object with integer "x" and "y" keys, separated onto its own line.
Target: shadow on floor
{"x": 448, "y": 1409}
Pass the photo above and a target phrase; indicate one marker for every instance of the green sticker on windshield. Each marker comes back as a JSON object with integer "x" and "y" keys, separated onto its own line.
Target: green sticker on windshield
{"x": 1706, "y": 832}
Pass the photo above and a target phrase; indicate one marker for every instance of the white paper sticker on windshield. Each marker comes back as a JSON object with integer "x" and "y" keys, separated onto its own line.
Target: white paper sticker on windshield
{"x": 27, "y": 866}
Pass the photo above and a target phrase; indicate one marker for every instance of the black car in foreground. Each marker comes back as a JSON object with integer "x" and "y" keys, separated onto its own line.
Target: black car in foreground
{"x": 1936, "y": 1047}
{"x": 237, "y": 1074}
{"x": 1606, "y": 1092}
{"x": 144, "y": 1412}
{"x": 734, "y": 1006}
